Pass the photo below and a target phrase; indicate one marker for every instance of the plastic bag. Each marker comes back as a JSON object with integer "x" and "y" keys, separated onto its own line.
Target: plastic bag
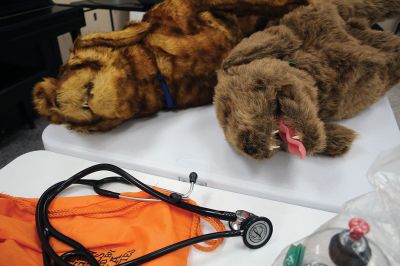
{"x": 366, "y": 232}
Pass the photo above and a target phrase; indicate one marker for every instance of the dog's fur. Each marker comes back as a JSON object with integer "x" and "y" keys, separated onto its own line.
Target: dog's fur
{"x": 111, "y": 77}
{"x": 320, "y": 63}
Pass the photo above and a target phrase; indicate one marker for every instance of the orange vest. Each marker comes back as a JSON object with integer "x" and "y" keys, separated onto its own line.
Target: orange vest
{"x": 114, "y": 230}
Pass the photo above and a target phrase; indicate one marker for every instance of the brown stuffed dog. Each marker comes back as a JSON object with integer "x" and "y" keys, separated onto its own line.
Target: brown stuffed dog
{"x": 280, "y": 87}
{"x": 166, "y": 61}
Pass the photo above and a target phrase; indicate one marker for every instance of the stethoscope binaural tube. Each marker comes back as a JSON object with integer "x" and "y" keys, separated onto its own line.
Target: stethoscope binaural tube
{"x": 222, "y": 215}
{"x": 248, "y": 227}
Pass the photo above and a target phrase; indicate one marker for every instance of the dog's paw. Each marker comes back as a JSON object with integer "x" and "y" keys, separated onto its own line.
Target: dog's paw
{"x": 338, "y": 140}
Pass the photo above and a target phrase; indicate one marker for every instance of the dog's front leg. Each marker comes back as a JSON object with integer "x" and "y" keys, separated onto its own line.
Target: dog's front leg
{"x": 385, "y": 42}
{"x": 372, "y": 10}
{"x": 338, "y": 140}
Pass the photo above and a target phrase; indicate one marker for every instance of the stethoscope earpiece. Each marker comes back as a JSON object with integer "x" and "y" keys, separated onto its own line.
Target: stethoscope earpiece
{"x": 256, "y": 231}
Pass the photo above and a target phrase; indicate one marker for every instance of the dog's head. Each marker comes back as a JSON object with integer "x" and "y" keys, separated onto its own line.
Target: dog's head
{"x": 267, "y": 105}
{"x": 94, "y": 89}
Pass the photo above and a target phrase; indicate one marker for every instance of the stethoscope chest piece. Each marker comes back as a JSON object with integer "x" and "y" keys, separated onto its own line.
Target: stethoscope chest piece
{"x": 256, "y": 231}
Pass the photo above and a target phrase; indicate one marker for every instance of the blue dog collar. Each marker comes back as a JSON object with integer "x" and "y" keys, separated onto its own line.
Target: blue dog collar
{"x": 167, "y": 94}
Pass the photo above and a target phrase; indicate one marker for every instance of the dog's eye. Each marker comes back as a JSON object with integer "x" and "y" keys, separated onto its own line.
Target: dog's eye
{"x": 278, "y": 108}
{"x": 277, "y": 105}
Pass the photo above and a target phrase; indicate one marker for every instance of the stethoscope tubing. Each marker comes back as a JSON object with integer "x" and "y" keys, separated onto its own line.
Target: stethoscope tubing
{"x": 45, "y": 229}
{"x": 179, "y": 245}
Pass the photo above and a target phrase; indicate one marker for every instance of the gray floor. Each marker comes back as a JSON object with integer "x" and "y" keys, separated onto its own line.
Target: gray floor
{"x": 22, "y": 141}
{"x": 27, "y": 140}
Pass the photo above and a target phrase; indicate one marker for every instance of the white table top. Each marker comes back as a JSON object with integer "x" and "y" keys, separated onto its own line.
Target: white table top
{"x": 173, "y": 144}
{"x": 32, "y": 173}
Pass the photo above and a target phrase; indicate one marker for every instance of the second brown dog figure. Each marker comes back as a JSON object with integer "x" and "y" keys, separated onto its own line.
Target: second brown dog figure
{"x": 281, "y": 88}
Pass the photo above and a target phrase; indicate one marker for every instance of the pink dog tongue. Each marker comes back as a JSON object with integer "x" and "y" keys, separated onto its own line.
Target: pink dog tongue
{"x": 294, "y": 146}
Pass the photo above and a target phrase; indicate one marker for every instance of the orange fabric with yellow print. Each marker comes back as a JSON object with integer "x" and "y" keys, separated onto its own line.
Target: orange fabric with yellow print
{"x": 115, "y": 230}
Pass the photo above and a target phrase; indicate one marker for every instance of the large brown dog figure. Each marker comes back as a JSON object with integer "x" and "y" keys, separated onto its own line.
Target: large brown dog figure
{"x": 280, "y": 87}
{"x": 169, "y": 60}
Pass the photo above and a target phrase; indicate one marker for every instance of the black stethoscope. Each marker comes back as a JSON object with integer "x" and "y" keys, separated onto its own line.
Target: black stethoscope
{"x": 255, "y": 231}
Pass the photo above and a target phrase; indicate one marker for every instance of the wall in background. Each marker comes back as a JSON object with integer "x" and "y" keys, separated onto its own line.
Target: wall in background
{"x": 136, "y": 16}
{"x": 96, "y": 21}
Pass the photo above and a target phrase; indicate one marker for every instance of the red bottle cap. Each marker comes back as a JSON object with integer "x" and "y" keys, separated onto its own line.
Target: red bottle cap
{"x": 358, "y": 228}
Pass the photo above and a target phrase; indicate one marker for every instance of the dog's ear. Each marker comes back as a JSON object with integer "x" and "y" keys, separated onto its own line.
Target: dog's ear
{"x": 44, "y": 99}
{"x": 277, "y": 42}
{"x": 133, "y": 33}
